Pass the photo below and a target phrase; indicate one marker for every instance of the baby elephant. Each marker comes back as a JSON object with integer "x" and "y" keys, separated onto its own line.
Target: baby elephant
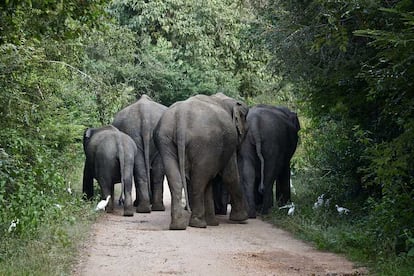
{"x": 110, "y": 158}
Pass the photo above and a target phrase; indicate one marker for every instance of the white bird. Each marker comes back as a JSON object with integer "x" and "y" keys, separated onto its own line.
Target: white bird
{"x": 342, "y": 210}
{"x": 13, "y": 225}
{"x": 291, "y": 210}
{"x": 286, "y": 206}
{"x": 69, "y": 190}
{"x": 102, "y": 204}
{"x": 291, "y": 207}
{"x": 319, "y": 202}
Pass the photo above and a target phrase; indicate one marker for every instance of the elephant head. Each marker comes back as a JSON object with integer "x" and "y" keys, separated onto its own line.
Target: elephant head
{"x": 238, "y": 111}
{"x": 89, "y": 132}
{"x": 292, "y": 117}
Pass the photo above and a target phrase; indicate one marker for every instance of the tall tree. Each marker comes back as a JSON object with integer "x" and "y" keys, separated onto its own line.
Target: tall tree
{"x": 190, "y": 47}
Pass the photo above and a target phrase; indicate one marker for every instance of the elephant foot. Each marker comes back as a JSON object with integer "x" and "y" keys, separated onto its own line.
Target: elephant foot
{"x": 143, "y": 208}
{"x": 197, "y": 222}
{"x": 252, "y": 214}
{"x": 109, "y": 209}
{"x": 212, "y": 221}
{"x": 129, "y": 212}
{"x": 221, "y": 212}
{"x": 158, "y": 207}
{"x": 238, "y": 215}
{"x": 177, "y": 226}
{"x": 179, "y": 222}
{"x": 265, "y": 211}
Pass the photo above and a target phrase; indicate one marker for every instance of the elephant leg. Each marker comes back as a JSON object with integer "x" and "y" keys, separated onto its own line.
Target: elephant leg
{"x": 87, "y": 188}
{"x": 197, "y": 195}
{"x": 127, "y": 180}
{"x": 258, "y": 197}
{"x": 110, "y": 206}
{"x": 209, "y": 206}
{"x": 231, "y": 180}
{"x": 269, "y": 179}
{"x": 179, "y": 216}
{"x": 248, "y": 182}
{"x": 105, "y": 182}
{"x": 283, "y": 186}
{"x": 157, "y": 185}
{"x": 220, "y": 196}
{"x": 142, "y": 201}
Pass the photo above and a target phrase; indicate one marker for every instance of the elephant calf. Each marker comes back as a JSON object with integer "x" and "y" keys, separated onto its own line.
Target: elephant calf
{"x": 110, "y": 158}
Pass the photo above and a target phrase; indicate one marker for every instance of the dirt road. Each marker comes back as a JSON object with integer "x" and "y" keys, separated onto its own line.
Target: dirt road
{"x": 143, "y": 245}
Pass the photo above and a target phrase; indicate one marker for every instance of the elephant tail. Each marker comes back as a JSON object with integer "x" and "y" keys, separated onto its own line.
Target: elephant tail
{"x": 121, "y": 157}
{"x": 181, "y": 126}
{"x": 146, "y": 145}
{"x": 258, "y": 144}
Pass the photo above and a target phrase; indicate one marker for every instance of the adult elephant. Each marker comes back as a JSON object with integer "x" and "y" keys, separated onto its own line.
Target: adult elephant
{"x": 197, "y": 140}
{"x": 265, "y": 154}
{"x": 138, "y": 120}
{"x": 110, "y": 158}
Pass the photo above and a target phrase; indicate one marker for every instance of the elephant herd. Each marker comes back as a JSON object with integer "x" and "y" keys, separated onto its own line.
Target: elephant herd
{"x": 202, "y": 144}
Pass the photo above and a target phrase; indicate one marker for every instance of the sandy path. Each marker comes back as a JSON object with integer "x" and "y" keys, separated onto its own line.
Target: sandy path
{"x": 143, "y": 245}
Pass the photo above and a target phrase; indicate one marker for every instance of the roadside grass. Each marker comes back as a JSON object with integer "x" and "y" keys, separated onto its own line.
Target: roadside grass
{"x": 349, "y": 235}
{"x": 53, "y": 252}
{"x": 53, "y": 248}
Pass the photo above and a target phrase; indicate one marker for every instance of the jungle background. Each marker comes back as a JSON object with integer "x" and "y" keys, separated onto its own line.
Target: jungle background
{"x": 346, "y": 68}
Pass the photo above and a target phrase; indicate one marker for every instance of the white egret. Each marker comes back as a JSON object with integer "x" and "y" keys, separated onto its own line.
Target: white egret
{"x": 13, "y": 225}
{"x": 69, "y": 190}
{"x": 319, "y": 202}
{"x": 286, "y": 206}
{"x": 102, "y": 204}
{"x": 291, "y": 210}
{"x": 342, "y": 210}
{"x": 291, "y": 207}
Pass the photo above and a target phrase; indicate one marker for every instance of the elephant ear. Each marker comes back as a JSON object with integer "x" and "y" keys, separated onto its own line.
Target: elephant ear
{"x": 88, "y": 133}
{"x": 239, "y": 114}
{"x": 86, "y": 137}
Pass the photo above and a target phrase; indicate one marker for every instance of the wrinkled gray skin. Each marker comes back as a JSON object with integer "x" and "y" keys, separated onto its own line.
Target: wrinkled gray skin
{"x": 138, "y": 120}
{"x": 265, "y": 154}
{"x": 197, "y": 140}
{"x": 110, "y": 158}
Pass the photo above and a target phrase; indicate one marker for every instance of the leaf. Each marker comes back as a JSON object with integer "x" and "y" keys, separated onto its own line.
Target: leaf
{"x": 411, "y": 252}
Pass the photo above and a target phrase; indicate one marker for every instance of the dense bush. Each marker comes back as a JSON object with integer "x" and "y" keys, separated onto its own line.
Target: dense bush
{"x": 345, "y": 66}
{"x": 351, "y": 63}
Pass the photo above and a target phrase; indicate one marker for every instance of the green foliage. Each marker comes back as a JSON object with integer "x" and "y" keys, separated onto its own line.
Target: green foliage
{"x": 351, "y": 65}
{"x": 346, "y": 66}
{"x": 109, "y": 60}
{"x": 191, "y": 47}
{"x": 45, "y": 103}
